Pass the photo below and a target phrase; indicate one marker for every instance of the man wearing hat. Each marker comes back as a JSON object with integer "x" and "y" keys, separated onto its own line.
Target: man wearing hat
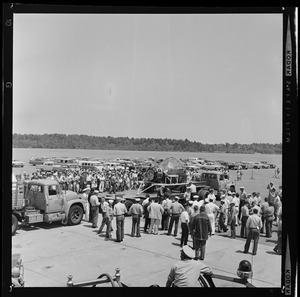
{"x": 200, "y": 228}
{"x": 186, "y": 273}
{"x": 119, "y": 212}
{"x": 197, "y": 201}
{"x": 176, "y": 209}
{"x": 136, "y": 211}
{"x": 95, "y": 208}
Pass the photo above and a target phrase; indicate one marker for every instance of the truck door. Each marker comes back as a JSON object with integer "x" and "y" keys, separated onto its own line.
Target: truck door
{"x": 55, "y": 203}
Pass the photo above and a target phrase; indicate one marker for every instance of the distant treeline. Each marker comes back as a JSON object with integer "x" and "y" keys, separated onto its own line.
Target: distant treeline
{"x": 75, "y": 141}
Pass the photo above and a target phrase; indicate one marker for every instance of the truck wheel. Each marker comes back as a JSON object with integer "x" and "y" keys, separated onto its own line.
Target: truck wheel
{"x": 128, "y": 204}
{"x": 203, "y": 194}
{"x": 14, "y": 225}
{"x": 75, "y": 215}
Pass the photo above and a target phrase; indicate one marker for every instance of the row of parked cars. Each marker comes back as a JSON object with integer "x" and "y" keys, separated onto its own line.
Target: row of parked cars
{"x": 221, "y": 165}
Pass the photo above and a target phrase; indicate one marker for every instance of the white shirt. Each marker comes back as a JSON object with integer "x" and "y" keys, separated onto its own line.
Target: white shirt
{"x": 184, "y": 217}
{"x": 193, "y": 188}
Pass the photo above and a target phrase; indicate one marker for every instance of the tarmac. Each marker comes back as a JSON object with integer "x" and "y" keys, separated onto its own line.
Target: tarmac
{"x": 51, "y": 252}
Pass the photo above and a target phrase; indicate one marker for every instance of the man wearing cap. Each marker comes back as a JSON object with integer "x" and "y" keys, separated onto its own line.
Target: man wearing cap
{"x": 197, "y": 201}
{"x": 136, "y": 211}
{"x": 94, "y": 208}
{"x": 119, "y": 212}
{"x": 175, "y": 209}
{"x": 200, "y": 228}
{"x": 186, "y": 273}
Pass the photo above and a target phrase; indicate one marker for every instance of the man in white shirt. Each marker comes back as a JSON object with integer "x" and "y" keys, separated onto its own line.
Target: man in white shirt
{"x": 211, "y": 195}
{"x": 211, "y": 210}
{"x": 192, "y": 188}
{"x": 184, "y": 218}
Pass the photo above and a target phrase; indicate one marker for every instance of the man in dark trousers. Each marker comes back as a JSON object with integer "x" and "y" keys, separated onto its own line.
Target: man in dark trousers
{"x": 136, "y": 211}
{"x": 200, "y": 229}
{"x": 254, "y": 225}
{"x": 146, "y": 215}
{"x": 176, "y": 209}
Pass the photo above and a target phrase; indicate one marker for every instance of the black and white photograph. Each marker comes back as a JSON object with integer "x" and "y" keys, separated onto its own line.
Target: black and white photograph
{"x": 150, "y": 147}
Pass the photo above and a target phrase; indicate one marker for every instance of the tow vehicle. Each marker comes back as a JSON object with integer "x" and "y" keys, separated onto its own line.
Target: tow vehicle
{"x": 171, "y": 174}
{"x": 43, "y": 200}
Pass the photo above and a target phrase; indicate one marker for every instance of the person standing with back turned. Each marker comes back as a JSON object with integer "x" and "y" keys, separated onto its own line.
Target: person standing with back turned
{"x": 119, "y": 212}
{"x": 254, "y": 224}
{"x": 200, "y": 229}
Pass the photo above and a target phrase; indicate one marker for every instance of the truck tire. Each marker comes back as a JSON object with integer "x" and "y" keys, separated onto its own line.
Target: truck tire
{"x": 203, "y": 193}
{"x": 128, "y": 204}
{"x": 75, "y": 215}
{"x": 14, "y": 225}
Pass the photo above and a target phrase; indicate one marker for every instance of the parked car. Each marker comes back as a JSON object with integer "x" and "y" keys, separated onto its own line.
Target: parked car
{"x": 232, "y": 166}
{"x": 17, "y": 163}
{"x": 264, "y": 165}
{"x": 211, "y": 166}
{"x": 267, "y": 164}
{"x": 252, "y": 165}
{"x": 242, "y": 165}
{"x": 38, "y": 160}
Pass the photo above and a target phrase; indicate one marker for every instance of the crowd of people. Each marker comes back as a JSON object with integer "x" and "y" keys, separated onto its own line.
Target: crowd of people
{"x": 109, "y": 180}
{"x": 198, "y": 218}
{"x": 165, "y": 211}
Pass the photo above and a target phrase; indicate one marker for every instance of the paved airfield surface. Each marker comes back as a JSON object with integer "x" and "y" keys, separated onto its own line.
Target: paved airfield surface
{"x": 52, "y": 252}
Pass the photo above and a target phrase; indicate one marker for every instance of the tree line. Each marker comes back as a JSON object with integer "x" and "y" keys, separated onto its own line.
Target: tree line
{"x": 76, "y": 141}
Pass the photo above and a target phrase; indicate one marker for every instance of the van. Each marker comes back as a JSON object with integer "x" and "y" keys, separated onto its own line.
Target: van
{"x": 91, "y": 165}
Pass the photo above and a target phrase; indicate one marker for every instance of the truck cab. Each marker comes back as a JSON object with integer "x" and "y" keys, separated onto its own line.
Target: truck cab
{"x": 43, "y": 200}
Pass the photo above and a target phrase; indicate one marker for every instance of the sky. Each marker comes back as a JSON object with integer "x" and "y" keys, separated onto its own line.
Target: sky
{"x": 210, "y": 78}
